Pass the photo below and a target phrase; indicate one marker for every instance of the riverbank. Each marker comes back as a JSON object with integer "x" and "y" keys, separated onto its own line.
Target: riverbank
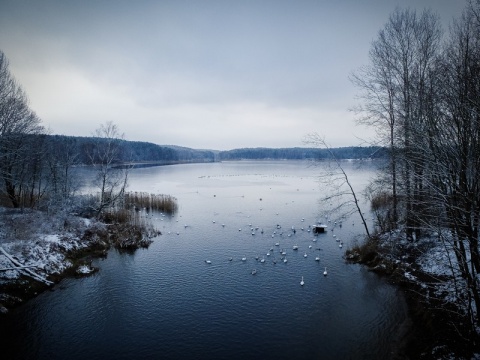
{"x": 39, "y": 246}
{"x": 438, "y": 327}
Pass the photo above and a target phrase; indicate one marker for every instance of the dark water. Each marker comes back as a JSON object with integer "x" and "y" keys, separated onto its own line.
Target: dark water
{"x": 166, "y": 302}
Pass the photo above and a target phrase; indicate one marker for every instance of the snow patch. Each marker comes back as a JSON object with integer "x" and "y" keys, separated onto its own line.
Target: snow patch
{"x": 41, "y": 244}
{"x": 84, "y": 270}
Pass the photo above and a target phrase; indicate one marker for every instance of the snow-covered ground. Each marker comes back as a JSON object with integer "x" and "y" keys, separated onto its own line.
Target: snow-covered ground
{"x": 41, "y": 246}
{"x": 428, "y": 257}
{"x": 41, "y": 243}
{"x": 428, "y": 267}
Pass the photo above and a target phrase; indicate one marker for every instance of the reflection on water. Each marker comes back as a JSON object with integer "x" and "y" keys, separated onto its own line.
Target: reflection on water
{"x": 168, "y": 302}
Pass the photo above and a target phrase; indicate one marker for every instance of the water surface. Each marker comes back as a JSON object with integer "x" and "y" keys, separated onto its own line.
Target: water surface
{"x": 166, "y": 302}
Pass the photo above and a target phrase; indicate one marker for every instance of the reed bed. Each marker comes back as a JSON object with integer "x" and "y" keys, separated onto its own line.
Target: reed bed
{"x": 151, "y": 202}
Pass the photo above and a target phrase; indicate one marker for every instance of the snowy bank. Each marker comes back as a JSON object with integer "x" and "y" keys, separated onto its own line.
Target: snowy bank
{"x": 35, "y": 245}
{"x": 428, "y": 272}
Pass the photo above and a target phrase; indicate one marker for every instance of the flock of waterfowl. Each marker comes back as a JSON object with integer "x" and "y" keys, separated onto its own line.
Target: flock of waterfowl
{"x": 281, "y": 252}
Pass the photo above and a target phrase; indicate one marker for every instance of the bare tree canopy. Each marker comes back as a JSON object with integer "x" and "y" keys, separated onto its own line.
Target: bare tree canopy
{"x": 421, "y": 93}
{"x": 107, "y": 157}
{"x": 17, "y": 122}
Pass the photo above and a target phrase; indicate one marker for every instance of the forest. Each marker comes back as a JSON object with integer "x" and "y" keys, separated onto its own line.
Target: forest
{"x": 314, "y": 153}
{"x": 420, "y": 92}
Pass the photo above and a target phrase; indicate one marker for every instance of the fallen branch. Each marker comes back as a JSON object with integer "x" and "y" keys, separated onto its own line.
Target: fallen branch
{"x": 24, "y": 269}
{"x": 18, "y": 267}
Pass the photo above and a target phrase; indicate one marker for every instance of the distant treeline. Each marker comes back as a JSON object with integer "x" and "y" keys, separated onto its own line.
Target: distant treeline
{"x": 145, "y": 152}
{"x": 131, "y": 151}
{"x": 297, "y": 153}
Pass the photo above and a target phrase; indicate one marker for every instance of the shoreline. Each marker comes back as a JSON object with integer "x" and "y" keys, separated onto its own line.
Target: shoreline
{"x": 66, "y": 253}
{"x": 426, "y": 333}
{"x": 433, "y": 329}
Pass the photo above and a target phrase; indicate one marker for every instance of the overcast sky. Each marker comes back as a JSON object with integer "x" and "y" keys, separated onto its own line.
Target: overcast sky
{"x": 200, "y": 73}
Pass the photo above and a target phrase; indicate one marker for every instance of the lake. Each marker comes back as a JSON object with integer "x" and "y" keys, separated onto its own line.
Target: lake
{"x": 167, "y": 302}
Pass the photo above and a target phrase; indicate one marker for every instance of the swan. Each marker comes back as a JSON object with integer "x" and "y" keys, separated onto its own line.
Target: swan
{"x": 317, "y": 258}
{"x": 285, "y": 260}
{"x": 254, "y": 271}
{"x": 208, "y": 261}
{"x": 325, "y": 272}
{"x": 305, "y": 255}
{"x": 302, "y": 282}
{"x": 244, "y": 258}
{"x": 263, "y": 260}
{"x": 340, "y": 245}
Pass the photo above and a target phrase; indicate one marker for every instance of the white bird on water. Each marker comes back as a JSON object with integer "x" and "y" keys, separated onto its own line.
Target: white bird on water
{"x": 302, "y": 282}
{"x": 325, "y": 272}
{"x": 208, "y": 261}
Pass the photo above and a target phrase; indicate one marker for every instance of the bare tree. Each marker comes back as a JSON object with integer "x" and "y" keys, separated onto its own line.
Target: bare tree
{"x": 17, "y": 124}
{"x": 61, "y": 157}
{"x": 348, "y": 201}
{"x": 397, "y": 98}
{"x": 455, "y": 185}
{"x": 107, "y": 157}
{"x": 423, "y": 96}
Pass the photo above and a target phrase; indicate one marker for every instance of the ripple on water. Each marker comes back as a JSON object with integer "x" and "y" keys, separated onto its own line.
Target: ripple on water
{"x": 166, "y": 302}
